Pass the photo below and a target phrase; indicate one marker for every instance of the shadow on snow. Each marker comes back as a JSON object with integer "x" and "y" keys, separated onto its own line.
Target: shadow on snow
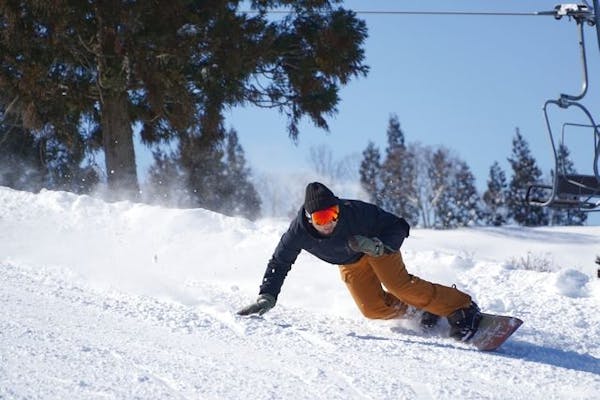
{"x": 514, "y": 349}
{"x": 550, "y": 356}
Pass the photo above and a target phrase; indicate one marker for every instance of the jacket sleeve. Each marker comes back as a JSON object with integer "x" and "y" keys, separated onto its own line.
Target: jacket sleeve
{"x": 389, "y": 228}
{"x": 281, "y": 262}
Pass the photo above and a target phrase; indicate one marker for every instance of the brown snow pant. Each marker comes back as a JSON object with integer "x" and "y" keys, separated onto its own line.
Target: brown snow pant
{"x": 365, "y": 278}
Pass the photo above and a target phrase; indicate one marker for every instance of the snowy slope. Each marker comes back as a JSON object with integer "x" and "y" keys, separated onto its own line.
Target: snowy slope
{"x": 127, "y": 301}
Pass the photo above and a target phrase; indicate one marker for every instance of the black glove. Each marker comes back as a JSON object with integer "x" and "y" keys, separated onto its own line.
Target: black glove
{"x": 263, "y": 303}
{"x": 371, "y": 246}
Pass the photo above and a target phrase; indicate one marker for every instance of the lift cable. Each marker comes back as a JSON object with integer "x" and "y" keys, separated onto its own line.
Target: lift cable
{"x": 467, "y": 13}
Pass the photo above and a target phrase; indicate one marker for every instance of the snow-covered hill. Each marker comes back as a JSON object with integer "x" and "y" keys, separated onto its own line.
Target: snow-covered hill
{"x": 126, "y": 301}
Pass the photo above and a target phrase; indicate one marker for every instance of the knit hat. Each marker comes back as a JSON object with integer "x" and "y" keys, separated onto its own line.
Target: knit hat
{"x": 318, "y": 197}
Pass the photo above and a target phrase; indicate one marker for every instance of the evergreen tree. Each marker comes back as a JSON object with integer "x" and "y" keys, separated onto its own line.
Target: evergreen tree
{"x": 65, "y": 171}
{"x": 398, "y": 194}
{"x": 217, "y": 179}
{"x": 566, "y": 216}
{"x": 202, "y": 161}
{"x": 395, "y": 135}
{"x": 242, "y": 197}
{"x": 494, "y": 197}
{"x": 454, "y": 199}
{"x": 525, "y": 173}
{"x": 370, "y": 173}
{"x": 166, "y": 181}
{"x": 33, "y": 161}
{"x": 467, "y": 200}
{"x": 392, "y": 167}
{"x": 21, "y": 166}
{"x": 171, "y": 66}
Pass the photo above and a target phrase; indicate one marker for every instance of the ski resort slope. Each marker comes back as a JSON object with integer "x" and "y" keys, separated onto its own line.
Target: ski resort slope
{"x": 128, "y": 301}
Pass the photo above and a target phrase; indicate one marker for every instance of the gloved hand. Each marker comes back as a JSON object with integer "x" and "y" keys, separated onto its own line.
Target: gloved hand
{"x": 263, "y": 303}
{"x": 371, "y": 246}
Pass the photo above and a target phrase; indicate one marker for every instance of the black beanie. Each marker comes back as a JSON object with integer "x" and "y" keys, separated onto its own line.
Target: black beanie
{"x": 318, "y": 197}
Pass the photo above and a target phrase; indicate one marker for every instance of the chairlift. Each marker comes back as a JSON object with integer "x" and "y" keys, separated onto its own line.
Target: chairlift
{"x": 572, "y": 191}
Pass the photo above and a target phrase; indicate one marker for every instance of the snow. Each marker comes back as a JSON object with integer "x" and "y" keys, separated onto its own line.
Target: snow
{"x": 128, "y": 301}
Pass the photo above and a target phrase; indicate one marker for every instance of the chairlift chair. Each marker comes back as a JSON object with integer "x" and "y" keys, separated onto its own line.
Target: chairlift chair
{"x": 571, "y": 191}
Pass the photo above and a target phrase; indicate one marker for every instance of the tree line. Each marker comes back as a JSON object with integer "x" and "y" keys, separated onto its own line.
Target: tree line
{"x": 434, "y": 188}
{"x": 78, "y": 79}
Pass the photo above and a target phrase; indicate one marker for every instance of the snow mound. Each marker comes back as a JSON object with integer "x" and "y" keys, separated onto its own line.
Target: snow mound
{"x": 572, "y": 283}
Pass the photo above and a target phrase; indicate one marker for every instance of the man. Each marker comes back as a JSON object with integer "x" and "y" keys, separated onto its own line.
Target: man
{"x": 364, "y": 240}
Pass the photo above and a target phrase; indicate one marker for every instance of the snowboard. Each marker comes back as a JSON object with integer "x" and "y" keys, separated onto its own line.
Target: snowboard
{"x": 493, "y": 331}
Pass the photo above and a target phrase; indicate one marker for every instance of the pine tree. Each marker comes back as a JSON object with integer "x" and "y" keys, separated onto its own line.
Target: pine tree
{"x": 566, "y": 216}
{"x": 454, "y": 199}
{"x": 21, "y": 166}
{"x": 241, "y": 198}
{"x": 33, "y": 161}
{"x": 467, "y": 200}
{"x": 370, "y": 173}
{"x": 525, "y": 173}
{"x": 494, "y": 197}
{"x": 391, "y": 169}
{"x": 398, "y": 194}
{"x": 202, "y": 161}
{"x": 395, "y": 135}
{"x": 166, "y": 181}
{"x": 171, "y": 66}
{"x": 65, "y": 169}
{"x": 217, "y": 179}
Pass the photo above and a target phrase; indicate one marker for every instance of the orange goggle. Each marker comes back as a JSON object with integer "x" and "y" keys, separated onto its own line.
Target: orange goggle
{"x": 326, "y": 216}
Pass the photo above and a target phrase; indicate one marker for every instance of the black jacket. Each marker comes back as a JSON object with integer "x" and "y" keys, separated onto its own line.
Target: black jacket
{"x": 356, "y": 218}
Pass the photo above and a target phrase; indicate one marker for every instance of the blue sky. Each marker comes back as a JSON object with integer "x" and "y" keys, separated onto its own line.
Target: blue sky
{"x": 464, "y": 82}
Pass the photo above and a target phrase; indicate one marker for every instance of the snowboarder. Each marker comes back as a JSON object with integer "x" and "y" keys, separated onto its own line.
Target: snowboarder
{"x": 364, "y": 240}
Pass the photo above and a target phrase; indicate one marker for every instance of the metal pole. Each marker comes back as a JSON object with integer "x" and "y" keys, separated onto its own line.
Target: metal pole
{"x": 567, "y": 98}
{"x": 597, "y": 19}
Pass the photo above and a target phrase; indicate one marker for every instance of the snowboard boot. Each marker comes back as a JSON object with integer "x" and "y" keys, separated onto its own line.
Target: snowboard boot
{"x": 429, "y": 320}
{"x": 464, "y": 322}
